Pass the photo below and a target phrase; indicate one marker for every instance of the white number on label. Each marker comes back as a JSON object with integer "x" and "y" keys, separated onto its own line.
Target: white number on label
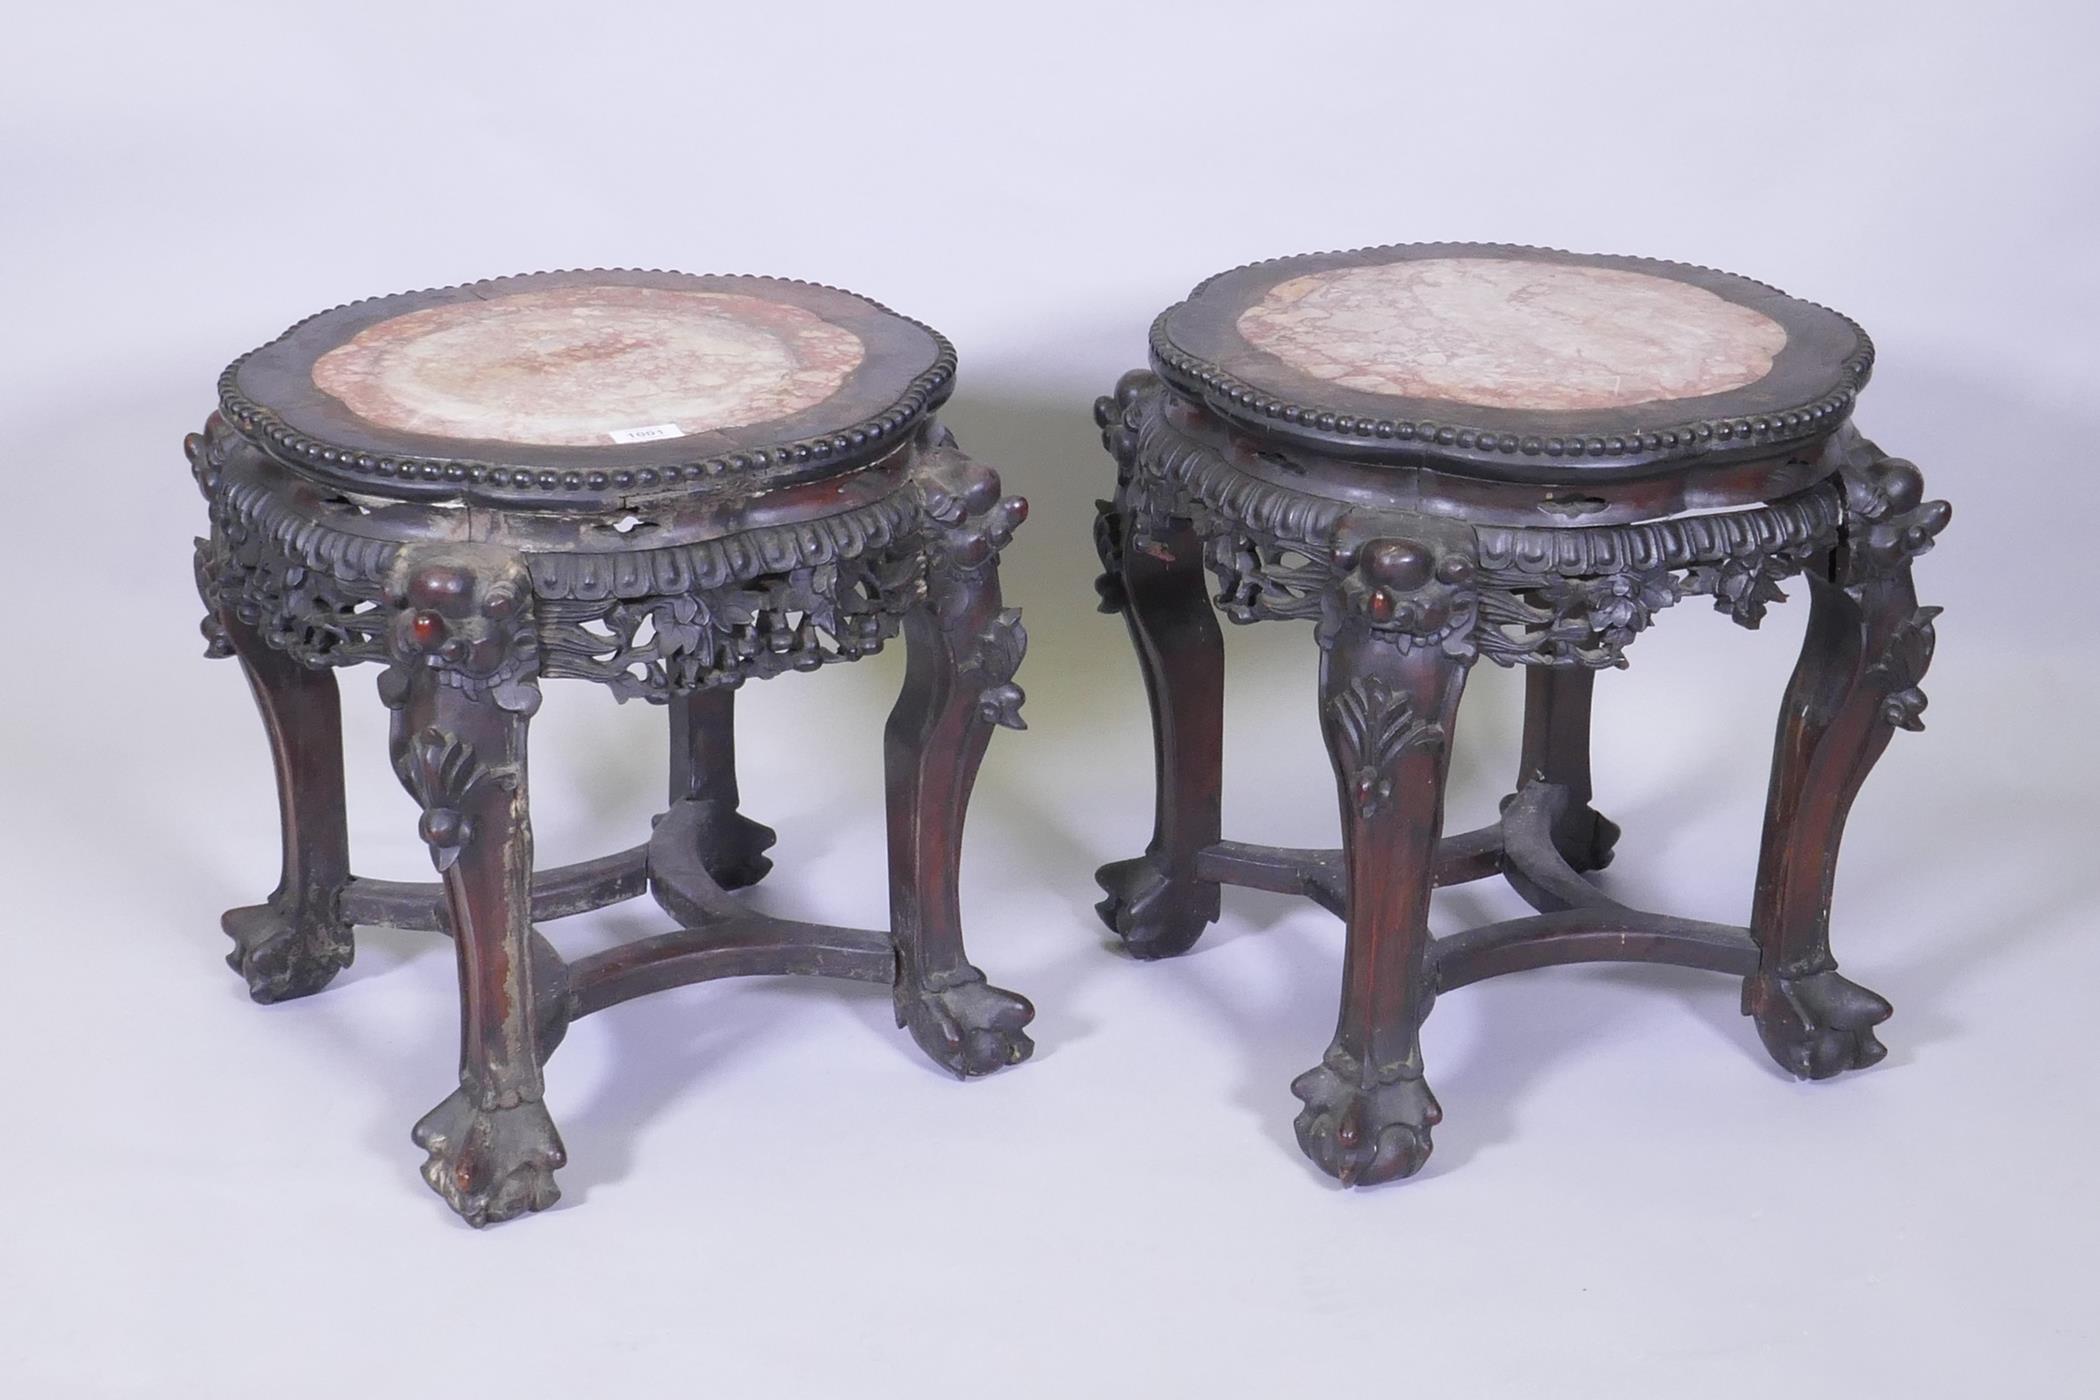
{"x": 655, "y": 432}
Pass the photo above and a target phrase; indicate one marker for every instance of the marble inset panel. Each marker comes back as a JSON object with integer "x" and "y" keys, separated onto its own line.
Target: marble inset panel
{"x": 1512, "y": 334}
{"x": 590, "y": 366}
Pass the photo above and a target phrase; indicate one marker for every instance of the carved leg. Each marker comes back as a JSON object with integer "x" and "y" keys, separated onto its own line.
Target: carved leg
{"x": 703, "y": 771}
{"x": 292, "y": 945}
{"x": 963, "y": 650}
{"x": 462, "y": 689}
{"x": 1387, "y": 716}
{"x": 1557, "y": 752}
{"x": 1832, "y": 728}
{"x": 1155, "y": 903}
{"x": 1868, "y": 644}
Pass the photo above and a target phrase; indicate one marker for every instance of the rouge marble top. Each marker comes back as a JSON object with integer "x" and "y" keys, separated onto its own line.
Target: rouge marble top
{"x": 1512, "y": 334}
{"x": 585, "y": 366}
{"x": 581, "y": 387}
{"x": 1514, "y": 363}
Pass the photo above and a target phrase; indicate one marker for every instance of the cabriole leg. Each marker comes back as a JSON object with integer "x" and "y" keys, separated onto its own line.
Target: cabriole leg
{"x": 293, "y": 944}
{"x": 1867, "y": 647}
{"x": 963, "y": 648}
{"x": 462, "y": 688}
{"x": 1387, "y": 715}
{"x": 1156, "y": 904}
{"x": 703, "y": 772}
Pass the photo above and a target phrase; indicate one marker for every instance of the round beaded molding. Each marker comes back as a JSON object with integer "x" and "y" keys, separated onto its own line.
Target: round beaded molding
{"x": 1370, "y": 435}
{"x": 425, "y": 476}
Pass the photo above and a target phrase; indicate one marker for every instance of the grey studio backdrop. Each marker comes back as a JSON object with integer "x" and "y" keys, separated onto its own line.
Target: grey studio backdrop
{"x": 769, "y": 1192}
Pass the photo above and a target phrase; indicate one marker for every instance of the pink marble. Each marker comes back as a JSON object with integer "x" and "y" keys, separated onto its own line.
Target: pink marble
{"x": 584, "y": 366}
{"x": 1511, "y": 334}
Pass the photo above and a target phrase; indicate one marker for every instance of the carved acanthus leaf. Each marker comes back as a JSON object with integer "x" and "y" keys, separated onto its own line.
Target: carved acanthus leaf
{"x": 445, "y": 774}
{"x": 1376, "y": 724}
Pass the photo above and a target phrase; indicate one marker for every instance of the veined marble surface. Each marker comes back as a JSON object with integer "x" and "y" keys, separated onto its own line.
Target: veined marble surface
{"x": 1513, "y": 334}
{"x": 590, "y": 366}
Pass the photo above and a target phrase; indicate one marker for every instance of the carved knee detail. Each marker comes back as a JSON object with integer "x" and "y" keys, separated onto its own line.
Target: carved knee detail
{"x": 1888, "y": 523}
{"x": 1117, "y": 416}
{"x": 1410, "y": 582}
{"x": 464, "y": 612}
{"x": 463, "y": 625}
{"x": 969, "y": 524}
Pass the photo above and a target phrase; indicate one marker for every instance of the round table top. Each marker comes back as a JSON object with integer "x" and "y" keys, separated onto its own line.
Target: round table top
{"x": 580, "y": 388}
{"x": 1513, "y": 363}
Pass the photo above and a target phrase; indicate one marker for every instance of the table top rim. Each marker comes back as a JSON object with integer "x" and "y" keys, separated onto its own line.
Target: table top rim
{"x": 1814, "y": 380}
{"x": 268, "y": 396}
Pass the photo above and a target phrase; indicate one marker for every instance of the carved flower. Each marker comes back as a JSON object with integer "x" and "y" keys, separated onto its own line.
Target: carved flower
{"x": 1236, "y": 564}
{"x": 1593, "y": 619}
{"x": 217, "y": 643}
{"x": 1626, "y": 603}
{"x": 1108, "y": 543}
{"x": 1905, "y": 708}
{"x": 682, "y": 628}
{"x": 1001, "y": 704}
{"x": 1743, "y": 586}
{"x": 999, "y": 650}
{"x": 1902, "y": 666}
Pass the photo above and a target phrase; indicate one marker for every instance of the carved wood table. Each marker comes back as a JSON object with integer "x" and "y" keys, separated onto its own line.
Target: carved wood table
{"x": 1446, "y": 452}
{"x": 665, "y": 484}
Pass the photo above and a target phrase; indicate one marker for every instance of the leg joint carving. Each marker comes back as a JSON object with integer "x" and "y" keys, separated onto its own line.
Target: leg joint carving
{"x": 1888, "y": 521}
{"x": 968, "y": 520}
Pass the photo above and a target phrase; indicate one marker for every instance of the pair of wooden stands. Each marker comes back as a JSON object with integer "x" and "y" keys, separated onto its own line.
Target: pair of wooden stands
{"x": 671, "y": 485}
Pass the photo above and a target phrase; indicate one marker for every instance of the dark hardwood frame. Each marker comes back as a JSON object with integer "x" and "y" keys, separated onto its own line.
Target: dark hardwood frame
{"x": 1414, "y": 568}
{"x": 677, "y": 599}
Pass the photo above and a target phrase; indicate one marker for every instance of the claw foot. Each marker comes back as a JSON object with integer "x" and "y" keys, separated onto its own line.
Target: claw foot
{"x": 1817, "y": 1025}
{"x": 732, "y": 849}
{"x": 491, "y": 1163}
{"x": 1586, "y": 838}
{"x": 282, "y": 954}
{"x": 1155, "y": 916}
{"x": 968, "y": 1027}
{"x": 1359, "y": 1133}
